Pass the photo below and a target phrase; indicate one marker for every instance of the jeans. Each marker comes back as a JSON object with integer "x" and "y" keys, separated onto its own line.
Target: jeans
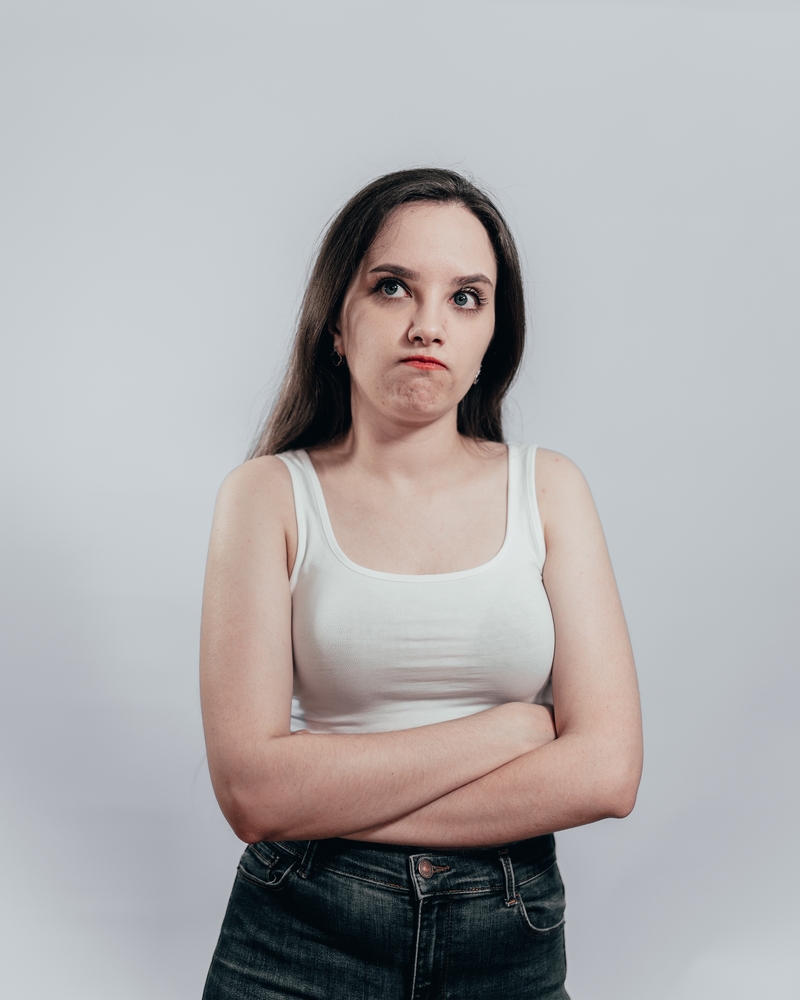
{"x": 344, "y": 920}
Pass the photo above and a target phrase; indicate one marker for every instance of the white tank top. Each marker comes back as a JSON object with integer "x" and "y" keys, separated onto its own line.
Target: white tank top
{"x": 380, "y": 651}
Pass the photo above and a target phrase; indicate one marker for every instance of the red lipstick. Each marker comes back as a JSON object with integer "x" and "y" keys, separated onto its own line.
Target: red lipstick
{"x": 424, "y": 361}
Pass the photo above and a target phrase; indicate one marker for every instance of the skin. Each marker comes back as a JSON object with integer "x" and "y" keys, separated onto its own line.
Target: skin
{"x": 407, "y": 494}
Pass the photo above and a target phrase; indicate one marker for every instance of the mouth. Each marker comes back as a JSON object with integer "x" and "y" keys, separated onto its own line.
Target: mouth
{"x": 424, "y": 361}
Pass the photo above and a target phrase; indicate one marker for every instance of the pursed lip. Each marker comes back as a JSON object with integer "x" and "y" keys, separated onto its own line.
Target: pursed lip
{"x": 423, "y": 361}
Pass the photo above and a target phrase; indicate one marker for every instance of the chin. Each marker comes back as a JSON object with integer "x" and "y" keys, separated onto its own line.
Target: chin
{"x": 420, "y": 399}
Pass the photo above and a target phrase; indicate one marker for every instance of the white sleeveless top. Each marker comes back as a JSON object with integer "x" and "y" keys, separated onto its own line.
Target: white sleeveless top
{"x": 380, "y": 651}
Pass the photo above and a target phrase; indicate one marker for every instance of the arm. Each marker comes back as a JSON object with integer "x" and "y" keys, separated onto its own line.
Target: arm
{"x": 268, "y": 784}
{"x": 592, "y": 770}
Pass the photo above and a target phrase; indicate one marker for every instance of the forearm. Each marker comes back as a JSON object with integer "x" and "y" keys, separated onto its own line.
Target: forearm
{"x": 311, "y": 787}
{"x": 570, "y": 782}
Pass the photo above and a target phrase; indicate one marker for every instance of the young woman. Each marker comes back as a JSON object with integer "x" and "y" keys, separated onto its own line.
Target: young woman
{"x": 415, "y": 666}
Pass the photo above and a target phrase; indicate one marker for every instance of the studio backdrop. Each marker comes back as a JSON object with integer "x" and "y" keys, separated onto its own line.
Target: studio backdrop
{"x": 167, "y": 169}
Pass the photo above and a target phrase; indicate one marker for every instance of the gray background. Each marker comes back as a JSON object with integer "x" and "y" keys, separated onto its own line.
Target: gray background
{"x": 167, "y": 169}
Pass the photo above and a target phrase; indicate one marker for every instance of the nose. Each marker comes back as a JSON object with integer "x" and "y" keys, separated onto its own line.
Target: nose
{"x": 427, "y": 325}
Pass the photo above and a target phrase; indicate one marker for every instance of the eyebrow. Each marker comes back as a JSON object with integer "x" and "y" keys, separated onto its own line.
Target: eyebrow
{"x": 404, "y": 272}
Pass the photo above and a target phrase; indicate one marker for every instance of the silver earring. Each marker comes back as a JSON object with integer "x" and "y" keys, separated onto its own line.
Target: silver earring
{"x": 337, "y": 357}
{"x": 477, "y": 376}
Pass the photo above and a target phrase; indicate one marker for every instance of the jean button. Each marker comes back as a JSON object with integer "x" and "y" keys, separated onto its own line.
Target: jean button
{"x": 425, "y": 868}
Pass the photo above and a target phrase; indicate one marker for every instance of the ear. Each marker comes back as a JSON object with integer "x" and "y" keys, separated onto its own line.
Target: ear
{"x": 335, "y": 332}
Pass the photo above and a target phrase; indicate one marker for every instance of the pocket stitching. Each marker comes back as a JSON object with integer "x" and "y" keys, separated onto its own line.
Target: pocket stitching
{"x": 277, "y": 883}
{"x": 524, "y": 913}
{"x": 269, "y": 860}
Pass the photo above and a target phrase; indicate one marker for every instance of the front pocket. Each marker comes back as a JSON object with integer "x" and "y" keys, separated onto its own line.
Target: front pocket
{"x": 261, "y": 866}
{"x": 541, "y": 902}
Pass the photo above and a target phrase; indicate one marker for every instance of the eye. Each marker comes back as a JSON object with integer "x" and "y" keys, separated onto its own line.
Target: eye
{"x": 392, "y": 288}
{"x": 467, "y": 299}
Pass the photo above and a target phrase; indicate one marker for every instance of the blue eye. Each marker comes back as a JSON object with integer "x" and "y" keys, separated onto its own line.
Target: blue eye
{"x": 465, "y": 299}
{"x": 393, "y": 289}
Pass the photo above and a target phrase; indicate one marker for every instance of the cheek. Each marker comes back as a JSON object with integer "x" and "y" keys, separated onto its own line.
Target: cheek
{"x": 360, "y": 327}
{"x": 476, "y": 339}
{"x": 371, "y": 339}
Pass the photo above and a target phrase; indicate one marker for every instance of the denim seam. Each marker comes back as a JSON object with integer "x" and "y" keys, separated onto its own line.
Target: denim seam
{"x": 447, "y": 936}
{"x": 362, "y": 878}
{"x": 308, "y": 858}
{"x": 458, "y": 892}
{"x": 255, "y": 880}
{"x": 544, "y": 871}
{"x": 416, "y": 950}
{"x": 269, "y": 862}
{"x": 508, "y": 875}
{"x": 540, "y": 930}
{"x": 524, "y": 913}
{"x": 283, "y": 847}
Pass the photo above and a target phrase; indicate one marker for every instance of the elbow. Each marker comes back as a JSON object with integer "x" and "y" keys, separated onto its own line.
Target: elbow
{"x": 622, "y": 803}
{"x": 250, "y": 827}
{"x": 246, "y": 829}
{"x": 249, "y": 819}
{"x": 620, "y": 791}
{"x": 253, "y": 796}
{"x": 242, "y": 820}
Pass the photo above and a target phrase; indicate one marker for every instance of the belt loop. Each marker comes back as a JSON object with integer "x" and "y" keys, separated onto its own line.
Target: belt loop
{"x": 508, "y": 875}
{"x": 308, "y": 857}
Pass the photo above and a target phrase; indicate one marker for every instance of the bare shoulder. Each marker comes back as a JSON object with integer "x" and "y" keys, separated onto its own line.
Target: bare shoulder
{"x": 555, "y": 473}
{"x": 562, "y": 492}
{"x": 262, "y": 476}
{"x": 259, "y": 492}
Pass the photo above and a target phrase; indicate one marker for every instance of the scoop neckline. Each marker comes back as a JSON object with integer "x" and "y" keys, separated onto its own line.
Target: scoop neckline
{"x": 336, "y": 549}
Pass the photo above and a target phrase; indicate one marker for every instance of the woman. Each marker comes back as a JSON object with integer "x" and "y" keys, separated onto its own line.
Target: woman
{"x": 382, "y": 558}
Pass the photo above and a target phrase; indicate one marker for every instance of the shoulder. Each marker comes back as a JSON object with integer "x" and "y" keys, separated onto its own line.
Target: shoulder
{"x": 254, "y": 522}
{"x": 556, "y": 472}
{"x": 562, "y": 493}
{"x": 266, "y": 472}
{"x": 259, "y": 489}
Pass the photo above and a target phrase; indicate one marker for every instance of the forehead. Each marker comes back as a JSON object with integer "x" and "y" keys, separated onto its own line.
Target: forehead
{"x": 427, "y": 235}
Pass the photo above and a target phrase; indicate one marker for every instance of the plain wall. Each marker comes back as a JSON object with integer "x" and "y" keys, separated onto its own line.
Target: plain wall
{"x": 168, "y": 167}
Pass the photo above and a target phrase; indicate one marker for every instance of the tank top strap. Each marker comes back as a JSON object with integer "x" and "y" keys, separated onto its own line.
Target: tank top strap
{"x": 527, "y": 506}
{"x": 305, "y": 506}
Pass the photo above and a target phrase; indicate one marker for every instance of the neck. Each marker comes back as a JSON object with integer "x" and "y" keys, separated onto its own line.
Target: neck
{"x": 388, "y": 449}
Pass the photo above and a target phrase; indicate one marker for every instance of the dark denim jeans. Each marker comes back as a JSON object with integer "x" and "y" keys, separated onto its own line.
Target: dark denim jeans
{"x": 340, "y": 920}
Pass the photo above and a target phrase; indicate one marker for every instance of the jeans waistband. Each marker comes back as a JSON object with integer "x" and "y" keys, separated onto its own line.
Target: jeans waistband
{"x": 426, "y": 872}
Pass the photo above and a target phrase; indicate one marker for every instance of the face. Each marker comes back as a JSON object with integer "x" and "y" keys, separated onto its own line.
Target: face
{"x": 418, "y": 314}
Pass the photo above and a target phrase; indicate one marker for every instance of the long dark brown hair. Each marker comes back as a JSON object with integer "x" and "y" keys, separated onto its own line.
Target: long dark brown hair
{"x": 313, "y": 406}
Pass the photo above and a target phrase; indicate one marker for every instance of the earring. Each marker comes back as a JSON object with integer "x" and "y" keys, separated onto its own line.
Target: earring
{"x": 337, "y": 358}
{"x": 477, "y": 376}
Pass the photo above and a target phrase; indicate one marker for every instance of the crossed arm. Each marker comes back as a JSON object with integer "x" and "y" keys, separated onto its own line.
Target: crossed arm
{"x": 503, "y": 774}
